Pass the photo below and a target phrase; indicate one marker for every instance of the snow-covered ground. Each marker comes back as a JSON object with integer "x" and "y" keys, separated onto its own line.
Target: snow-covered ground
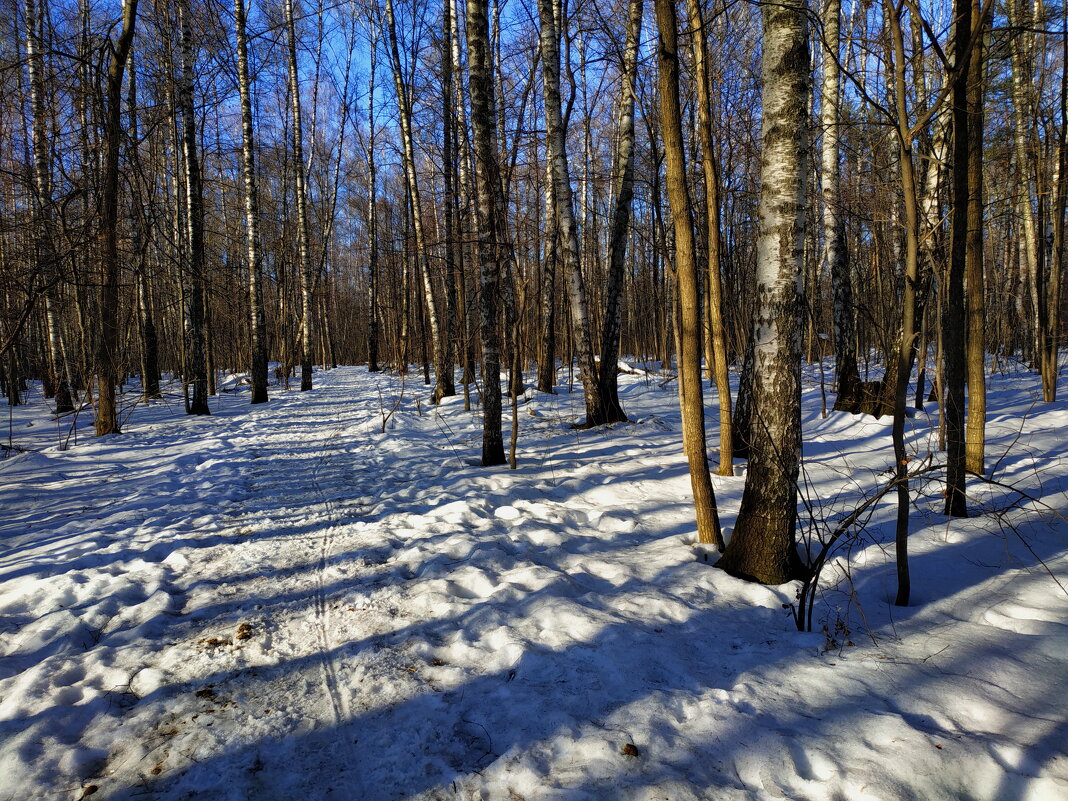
{"x": 286, "y": 602}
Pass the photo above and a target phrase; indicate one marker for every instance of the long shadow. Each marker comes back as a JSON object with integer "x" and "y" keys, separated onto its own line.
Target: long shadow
{"x": 595, "y": 690}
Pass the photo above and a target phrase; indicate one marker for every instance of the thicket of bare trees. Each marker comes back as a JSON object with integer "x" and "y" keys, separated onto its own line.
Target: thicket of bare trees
{"x": 184, "y": 192}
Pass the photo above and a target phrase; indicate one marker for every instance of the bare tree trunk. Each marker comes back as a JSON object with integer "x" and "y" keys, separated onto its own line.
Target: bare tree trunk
{"x": 710, "y": 167}
{"x": 974, "y": 280}
{"x": 146, "y": 327}
{"x": 623, "y": 177}
{"x": 307, "y": 323}
{"x": 257, "y": 323}
{"x": 953, "y": 314}
{"x": 59, "y": 377}
{"x": 492, "y": 249}
{"x": 197, "y": 367}
{"x": 763, "y": 545}
{"x": 448, "y": 96}
{"x": 691, "y": 398}
{"x": 1050, "y": 353}
{"x": 556, "y": 135}
{"x": 907, "y": 341}
{"x": 547, "y": 338}
{"x": 372, "y": 205}
{"x": 444, "y": 384}
{"x": 836, "y": 255}
{"x": 107, "y": 420}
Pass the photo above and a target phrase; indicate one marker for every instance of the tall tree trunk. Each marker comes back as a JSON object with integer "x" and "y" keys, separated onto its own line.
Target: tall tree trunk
{"x": 59, "y": 373}
{"x": 907, "y": 341}
{"x": 836, "y": 255}
{"x": 444, "y": 383}
{"x": 491, "y": 250}
{"x": 623, "y": 177}
{"x": 547, "y": 336}
{"x": 710, "y": 168}
{"x": 197, "y": 367}
{"x": 691, "y": 398}
{"x": 953, "y": 313}
{"x": 1051, "y": 354}
{"x": 556, "y": 135}
{"x": 304, "y": 266}
{"x": 372, "y": 206}
{"x": 146, "y": 326}
{"x": 107, "y": 420}
{"x": 448, "y": 97}
{"x": 763, "y": 545}
{"x": 257, "y": 323}
{"x": 974, "y": 280}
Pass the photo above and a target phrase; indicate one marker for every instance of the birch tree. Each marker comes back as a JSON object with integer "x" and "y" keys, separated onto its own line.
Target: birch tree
{"x": 444, "y": 381}
{"x": 835, "y": 252}
{"x": 563, "y": 196}
{"x": 58, "y": 382}
{"x": 623, "y": 175}
{"x": 763, "y": 545}
{"x": 257, "y": 323}
{"x": 304, "y": 265}
{"x": 196, "y": 354}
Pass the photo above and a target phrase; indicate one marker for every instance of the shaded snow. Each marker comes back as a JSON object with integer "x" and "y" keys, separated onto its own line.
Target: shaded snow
{"x": 283, "y": 602}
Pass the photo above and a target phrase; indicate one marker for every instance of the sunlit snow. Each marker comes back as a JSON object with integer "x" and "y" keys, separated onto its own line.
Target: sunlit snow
{"x": 287, "y": 602}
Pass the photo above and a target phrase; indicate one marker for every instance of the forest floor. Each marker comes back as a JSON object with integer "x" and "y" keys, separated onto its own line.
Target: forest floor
{"x": 288, "y": 602}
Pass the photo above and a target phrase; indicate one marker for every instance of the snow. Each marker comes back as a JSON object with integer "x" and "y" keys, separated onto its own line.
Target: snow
{"x": 282, "y": 601}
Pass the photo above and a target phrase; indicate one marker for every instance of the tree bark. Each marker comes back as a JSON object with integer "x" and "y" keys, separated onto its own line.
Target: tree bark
{"x": 59, "y": 377}
{"x": 974, "y": 279}
{"x": 444, "y": 381}
{"x": 197, "y": 365}
{"x": 492, "y": 251}
{"x": 556, "y": 135}
{"x": 107, "y": 420}
{"x": 691, "y": 399}
{"x": 307, "y": 320}
{"x": 836, "y": 256}
{"x": 710, "y": 168}
{"x": 763, "y": 545}
{"x": 953, "y": 312}
{"x": 257, "y": 323}
{"x": 623, "y": 176}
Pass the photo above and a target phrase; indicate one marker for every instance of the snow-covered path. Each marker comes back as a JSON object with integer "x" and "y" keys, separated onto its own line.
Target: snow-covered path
{"x": 285, "y": 602}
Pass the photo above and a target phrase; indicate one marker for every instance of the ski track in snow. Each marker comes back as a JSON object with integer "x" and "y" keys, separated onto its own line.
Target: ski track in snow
{"x": 283, "y": 602}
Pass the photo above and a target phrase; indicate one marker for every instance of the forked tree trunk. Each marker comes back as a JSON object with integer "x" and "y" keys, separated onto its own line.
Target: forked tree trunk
{"x": 107, "y": 420}
{"x": 257, "y": 324}
{"x": 691, "y": 397}
{"x": 763, "y": 545}
{"x": 907, "y": 341}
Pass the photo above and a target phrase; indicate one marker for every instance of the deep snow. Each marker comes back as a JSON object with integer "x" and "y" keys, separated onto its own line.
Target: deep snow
{"x": 284, "y": 602}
